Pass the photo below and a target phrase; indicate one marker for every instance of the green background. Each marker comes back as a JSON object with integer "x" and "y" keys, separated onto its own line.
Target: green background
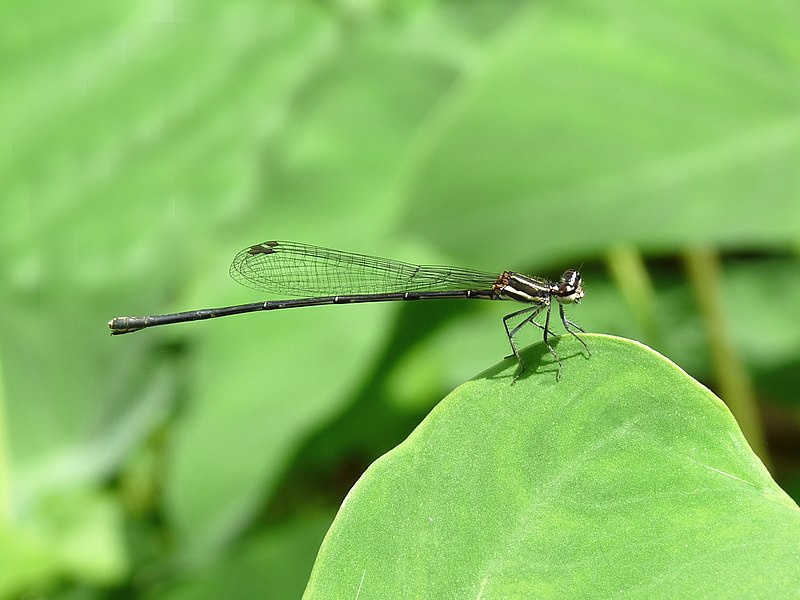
{"x": 143, "y": 144}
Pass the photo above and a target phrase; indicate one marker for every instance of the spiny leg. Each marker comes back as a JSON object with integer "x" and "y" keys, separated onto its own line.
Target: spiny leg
{"x": 510, "y": 333}
{"x": 547, "y": 342}
{"x": 532, "y": 322}
{"x": 529, "y": 319}
{"x": 567, "y": 324}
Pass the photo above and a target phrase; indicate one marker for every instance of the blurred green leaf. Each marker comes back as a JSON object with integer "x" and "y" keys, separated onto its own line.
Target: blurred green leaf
{"x": 626, "y": 478}
{"x": 253, "y": 409}
{"x": 128, "y": 127}
{"x": 275, "y": 563}
{"x": 761, "y": 300}
{"x": 75, "y": 534}
{"x": 587, "y": 125}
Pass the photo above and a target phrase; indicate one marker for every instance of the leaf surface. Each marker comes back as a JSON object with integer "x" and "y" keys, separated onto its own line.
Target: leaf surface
{"x": 626, "y": 478}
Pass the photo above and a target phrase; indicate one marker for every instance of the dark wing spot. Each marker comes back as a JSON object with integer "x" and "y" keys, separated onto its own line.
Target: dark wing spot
{"x": 265, "y": 248}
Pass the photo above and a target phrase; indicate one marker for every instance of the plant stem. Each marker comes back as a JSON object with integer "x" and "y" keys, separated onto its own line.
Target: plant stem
{"x": 734, "y": 384}
{"x": 5, "y": 464}
{"x": 629, "y": 272}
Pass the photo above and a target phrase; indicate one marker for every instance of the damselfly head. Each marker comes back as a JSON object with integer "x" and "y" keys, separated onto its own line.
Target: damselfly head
{"x": 569, "y": 288}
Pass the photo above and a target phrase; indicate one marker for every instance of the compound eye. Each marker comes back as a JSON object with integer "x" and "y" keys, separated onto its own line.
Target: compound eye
{"x": 569, "y": 289}
{"x": 570, "y": 279}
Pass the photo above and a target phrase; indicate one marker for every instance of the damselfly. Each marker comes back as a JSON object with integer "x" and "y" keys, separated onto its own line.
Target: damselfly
{"x": 324, "y": 276}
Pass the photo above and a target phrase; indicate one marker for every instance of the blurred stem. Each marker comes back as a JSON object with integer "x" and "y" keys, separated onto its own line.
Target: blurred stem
{"x": 630, "y": 274}
{"x": 733, "y": 380}
{"x": 5, "y": 466}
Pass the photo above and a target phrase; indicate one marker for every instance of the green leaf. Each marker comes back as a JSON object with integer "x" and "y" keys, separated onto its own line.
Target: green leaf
{"x": 627, "y": 478}
{"x": 73, "y": 534}
{"x": 278, "y": 559}
{"x": 133, "y": 113}
{"x": 587, "y": 123}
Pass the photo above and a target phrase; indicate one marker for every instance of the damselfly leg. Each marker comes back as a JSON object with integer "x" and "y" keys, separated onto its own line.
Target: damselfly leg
{"x": 567, "y": 324}
{"x": 546, "y": 332}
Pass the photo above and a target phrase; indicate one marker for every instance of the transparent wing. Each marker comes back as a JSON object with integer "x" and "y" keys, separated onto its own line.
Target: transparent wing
{"x": 295, "y": 269}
